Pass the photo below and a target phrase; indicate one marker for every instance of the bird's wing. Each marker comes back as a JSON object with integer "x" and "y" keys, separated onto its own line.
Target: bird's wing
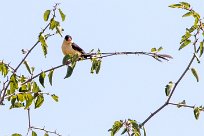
{"x": 77, "y": 48}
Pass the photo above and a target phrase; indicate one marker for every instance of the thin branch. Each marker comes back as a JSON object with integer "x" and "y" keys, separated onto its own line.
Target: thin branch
{"x": 188, "y": 66}
{"x": 29, "y": 51}
{"x": 182, "y": 105}
{"x": 46, "y": 131}
{"x": 181, "y": 77}
{"x": 162, "y": 56}
{"x": 3, "y": 88}
{"x": 152, "y": 114}
{"x": 29, "y": 80}
{"x": 29, "y": 122}
{"x": 154, "y": 55}
{"x": 6, "y": 97}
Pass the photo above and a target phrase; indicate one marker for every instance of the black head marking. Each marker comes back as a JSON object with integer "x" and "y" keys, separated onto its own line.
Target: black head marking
{"x": 67, "y": 37}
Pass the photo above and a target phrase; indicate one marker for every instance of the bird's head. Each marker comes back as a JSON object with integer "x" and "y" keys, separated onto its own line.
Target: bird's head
{"x": 68, "y": 38}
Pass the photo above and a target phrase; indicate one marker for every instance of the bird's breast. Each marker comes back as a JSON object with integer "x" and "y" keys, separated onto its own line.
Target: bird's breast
{"x": 68, "y": 50}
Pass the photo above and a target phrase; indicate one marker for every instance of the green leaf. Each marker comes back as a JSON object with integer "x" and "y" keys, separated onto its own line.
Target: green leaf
{"x": 62, "y": 14}
{"x": 13, "y": 100}
{"x": 8, "y": 93}
{"x": 13, "y": 84}
{"x": 35, "y": 87}
{"x": 17, "y": 105}
{"x": 153, "y": 50}
{"x": 116, "y": 127}
{"x": 23, "y": 88}
{"x": 135, "y": 125}
{"x": 196, "y": 112}
{"x": 196, "y": 17}
{"x": 33, "y": 133}
{"x": 46, "y": 134}
{"x": 55, "y": 97}
{"x": 176, "y": 6}
{"x": 46, "y": 15}
{"x": 29, "y": 86}
{"x": 59, "y": 30}
{"x": 98, "y": 66}
{"x": 65, "y": 59}
{"x": 71, "y": 64}
{"x": 27, "y": 66}
{"x": 180, "y": 104}
{"x": 188, "y": 14}
{"x": 190, "y": 30}
{"x": 184, "y": 44}
{"x": 4, "y": 70}
{"x": 50, "y": 75}
{"x": 145, "y": 134}
{"x": 44, "y": 48}
{"x": 93, "y": 67}
{"x": 185, "y": 37}
{"x": 32, "y": 69}
{"x": 16, "y": 134}
{"x": 168, "y": 88}
{"x": 20, "y": 97}
{"x": 186, "y": 5}
{"x": 69, "y": 72}
{"x": 160, "y": 48}
{"x": 74, "y": 59}
{"x": 39, "y": 101}
{"x": 196, "y": 21}
{"x": 201, "y": 49}
{"x": 22, "y": 79}
{"x": 42, "y": 78}
{"x": 194, "y": 72}
{"x": 124, "y": 131}
{"x": 52, "y": 24}
{"x": 43, "y": 44}
{"x": 29, "y": 100}
{"x": 91, "y": 50}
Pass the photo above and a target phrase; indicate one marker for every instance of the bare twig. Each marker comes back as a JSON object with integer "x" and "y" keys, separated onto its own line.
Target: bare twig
{"x": 4, "y": 83}
{"x": 154, "y": 55}
{"x": 46, "y": 131}
{"x": 29, "y": 122}
{"x": 152, "y": 114}
{"x": 29, "y": 80}
{"x": 182, "y": 105}
{"x": 6, "y": 97}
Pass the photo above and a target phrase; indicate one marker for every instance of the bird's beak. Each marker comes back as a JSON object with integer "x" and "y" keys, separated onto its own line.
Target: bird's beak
{"x": 69, "y": 40}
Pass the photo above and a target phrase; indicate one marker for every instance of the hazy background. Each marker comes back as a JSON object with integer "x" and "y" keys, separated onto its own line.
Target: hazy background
{"x": 126, "y": 87}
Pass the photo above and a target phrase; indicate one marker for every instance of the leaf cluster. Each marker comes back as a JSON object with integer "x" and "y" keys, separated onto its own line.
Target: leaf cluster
{"x": 129, "y": 127}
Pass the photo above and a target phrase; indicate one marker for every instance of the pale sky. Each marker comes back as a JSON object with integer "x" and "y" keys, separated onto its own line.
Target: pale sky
{"x": 126, "y": 87}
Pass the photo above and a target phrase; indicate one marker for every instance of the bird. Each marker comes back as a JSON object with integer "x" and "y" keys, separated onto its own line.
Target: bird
{"x": 71, "y": 48}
